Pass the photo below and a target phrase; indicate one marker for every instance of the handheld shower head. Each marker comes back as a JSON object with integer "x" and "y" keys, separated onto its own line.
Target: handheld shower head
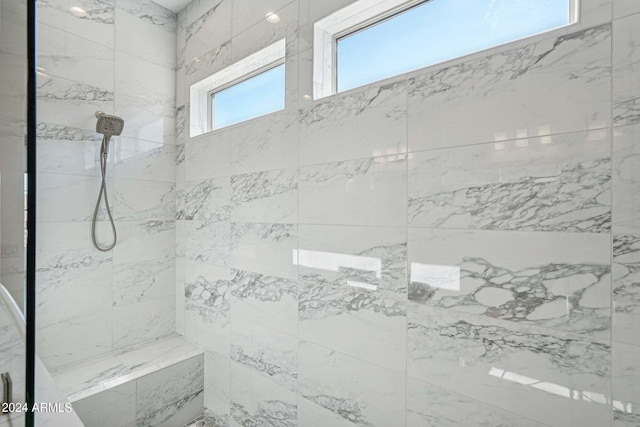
{"x": 109, "y": 125}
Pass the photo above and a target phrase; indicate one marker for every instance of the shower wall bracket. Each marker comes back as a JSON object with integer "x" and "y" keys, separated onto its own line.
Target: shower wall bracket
{"x": 7, "y": 389}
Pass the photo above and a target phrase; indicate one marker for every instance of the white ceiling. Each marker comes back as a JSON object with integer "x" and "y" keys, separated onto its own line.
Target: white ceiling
{"x": 174, "y": 5}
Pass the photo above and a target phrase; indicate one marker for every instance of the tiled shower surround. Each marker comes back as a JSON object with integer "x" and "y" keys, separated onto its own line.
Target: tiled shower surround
{"x": 435, "y": 249}
{"x": 455, "y": 246}
{"x": 120, "y": 59}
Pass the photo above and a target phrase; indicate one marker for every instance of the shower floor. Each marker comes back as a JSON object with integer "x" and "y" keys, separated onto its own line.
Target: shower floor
{"x": 202, "y": 421}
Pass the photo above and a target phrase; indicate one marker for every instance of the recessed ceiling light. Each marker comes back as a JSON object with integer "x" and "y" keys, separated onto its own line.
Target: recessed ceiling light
{"x": 306, "y": 96}
{"x": 78, "y": 11}
{"x": 272, "y": 17}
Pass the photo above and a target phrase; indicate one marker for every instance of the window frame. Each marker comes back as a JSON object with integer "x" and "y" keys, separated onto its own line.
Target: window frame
{"x": 364, "y": 14}
{"x": 200, "y": 108}
{"x": 211, "y": 94}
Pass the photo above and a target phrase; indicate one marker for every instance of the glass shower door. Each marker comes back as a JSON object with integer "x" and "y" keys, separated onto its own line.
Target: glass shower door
{"x": 13, "y": 108}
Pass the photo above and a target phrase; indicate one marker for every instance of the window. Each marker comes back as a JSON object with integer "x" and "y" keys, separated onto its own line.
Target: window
{"x": 375, "y": 39}
{"x": 252, "y": 87}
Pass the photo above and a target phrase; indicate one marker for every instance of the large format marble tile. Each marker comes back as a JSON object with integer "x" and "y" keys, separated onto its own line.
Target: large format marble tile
{"x": 69, "y": 341}
{"x": 207, "y": 242}
{"x": 518, "y": 369}
{"x": 146, "y": 31}
{"x": 147, "y": 118}
{"x": 206, "y": 64}
{"x": 172, "y": 396}
{"x": 366, "y": 123}
{"x": 256, "y": 400}
{"x": 72, "y": 151}
{"x": 208, "y": 156}
{"x": 111, "y": 408}
{"x": 355, "y": 192}
{"x": 144, "y": 160}
{"x": 144, "y": 261}
{"x": 551, "y": 183}
{"x": 71, "y": 103}
{"x": 432, "y": 406}
{"x": 555, "y": 85}
{"x": 65, "y": 55}
{"x": 66, "y": 198}
{"x": 96, "y": 24}
{"x": 626, "y": 179}
{"x": 559, "y": 281}
{"x": 625, "y": 7}
{"x": 626, "y": 288}
{"x": 269, "y": 196}
{"x": 265, "y": 351}
{"x": 205, "y": 200}
{"x": 341, "y": 391}
{"x": 247, "y": 13}
{"x": 207, "y": 306}
{"x": 72, "y": 277}
{"x": 265, "y": 143}
{"x": 625, "y": 380}
{"x": 265, "y": 33}
{"x": 208, "y": 25}
{"x": 352, "y": 295}
{"x": 268, "y": 300}
{"x": 626, "y": 68}
{"x": 264, "y": 248}
{"x": 137, "y": 200}
{"x": 217, "y": 387}
{"x": 143, "y": 321}
{"x": 139, "y": 78}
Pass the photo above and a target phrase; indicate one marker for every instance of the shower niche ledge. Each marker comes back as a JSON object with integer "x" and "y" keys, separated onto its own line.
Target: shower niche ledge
{"x": 160, "y": 384}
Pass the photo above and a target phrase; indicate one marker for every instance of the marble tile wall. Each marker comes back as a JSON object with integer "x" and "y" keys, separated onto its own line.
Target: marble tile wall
{"x": 455, "y": 246}
{"x": 118, "y": 57}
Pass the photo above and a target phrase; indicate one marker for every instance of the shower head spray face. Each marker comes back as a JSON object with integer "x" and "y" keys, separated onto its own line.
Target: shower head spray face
{"x": 109, "y": 125}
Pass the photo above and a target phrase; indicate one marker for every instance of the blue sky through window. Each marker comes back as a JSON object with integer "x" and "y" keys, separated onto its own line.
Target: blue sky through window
{"x": 256, "y": 96}
{"x": 440, "y": 30}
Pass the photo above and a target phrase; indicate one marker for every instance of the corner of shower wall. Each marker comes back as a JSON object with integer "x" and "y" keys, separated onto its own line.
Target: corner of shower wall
{"x": 116, "y": 56}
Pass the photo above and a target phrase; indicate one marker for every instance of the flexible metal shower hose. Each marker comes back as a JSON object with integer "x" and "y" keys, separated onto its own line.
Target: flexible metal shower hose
{"x": 104, "y": 153}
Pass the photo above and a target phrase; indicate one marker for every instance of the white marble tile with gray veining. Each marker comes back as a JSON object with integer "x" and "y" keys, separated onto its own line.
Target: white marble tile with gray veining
{"x": 559, "y": 281}
{"x": 209, "y": 62}
{"x": 150, "y": 12}
{"x": 94, "y": 21}
{"x": 269, "y": 196}
{"x": 257, "y": 401}
{"x": 264, "y": 248}
{"x": 552, "y": 183}
{"x": 207, "y": 25}
{"x": 207, "y": 305}
{"x": 432, "y": 406}
{"x": 143, "y": 160}
{"x": 72, "y": 104}
{"x": 147, "y": 119}
{"x": 90, "y": 377}
{"x": 352, "y": 295}
{"x": 265, "y": 143}
{"x": 626, "y": 288}
{"x": 144, "y": 261}
{"x": 366, "y": 123}
{"x": 354, "y": 192}
{"x": 163, "y": 395}
{"x": 265, "y": 351}
{"x": 136, "y": 200}
{"x": 217, "y": 387}
{"x": 518, "y": 369}
{"x": 146, "y": 321}
{"x": 473, "y": 101}
{"x": 625, "y": 378}
{"x": 208, "y": 242}
{"x": 626, "y": 179}
{"x": 116, "y": 406}
{"x": 64, "y": 198}
{"x": 207, "y": 156}
{"x": 625, "y": 7}
{"x": 626, "y": 66}
{"x": 206, "y": 200}
{"x": 338, "y": 390}
{"x": 65, "y": 150}
{"x": 268, "y": 300}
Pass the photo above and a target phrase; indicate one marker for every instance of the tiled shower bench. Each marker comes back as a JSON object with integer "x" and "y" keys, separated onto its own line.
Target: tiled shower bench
{"x": 160, "y": 384}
